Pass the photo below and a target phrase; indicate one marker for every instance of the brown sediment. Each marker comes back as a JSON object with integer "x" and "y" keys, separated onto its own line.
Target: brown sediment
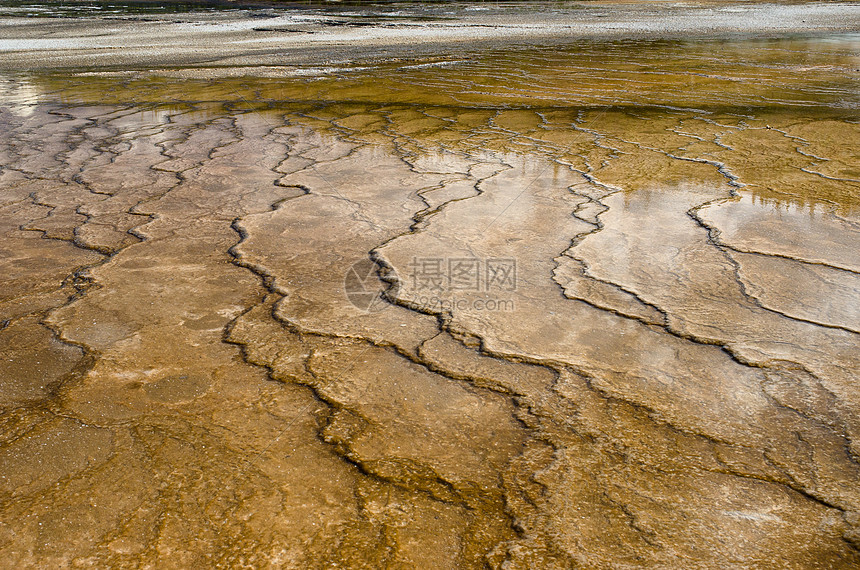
{"x": 669, "y": 381}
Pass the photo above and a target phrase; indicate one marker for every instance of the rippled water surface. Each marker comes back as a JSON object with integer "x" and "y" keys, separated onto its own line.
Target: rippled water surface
{"x": 593, "y": 305}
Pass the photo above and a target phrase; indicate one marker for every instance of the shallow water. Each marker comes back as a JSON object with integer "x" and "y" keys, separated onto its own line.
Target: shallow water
{"x": 585, "y": 306}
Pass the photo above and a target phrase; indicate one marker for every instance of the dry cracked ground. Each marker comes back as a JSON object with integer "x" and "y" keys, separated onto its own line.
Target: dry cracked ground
{"x": 581, "y": 307}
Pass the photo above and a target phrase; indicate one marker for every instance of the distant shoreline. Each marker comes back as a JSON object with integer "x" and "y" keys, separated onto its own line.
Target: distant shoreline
{"x": 275, "y": 34}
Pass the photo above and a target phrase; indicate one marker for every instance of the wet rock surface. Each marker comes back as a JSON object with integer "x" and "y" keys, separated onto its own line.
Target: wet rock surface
{"x": 584, "y": 308}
